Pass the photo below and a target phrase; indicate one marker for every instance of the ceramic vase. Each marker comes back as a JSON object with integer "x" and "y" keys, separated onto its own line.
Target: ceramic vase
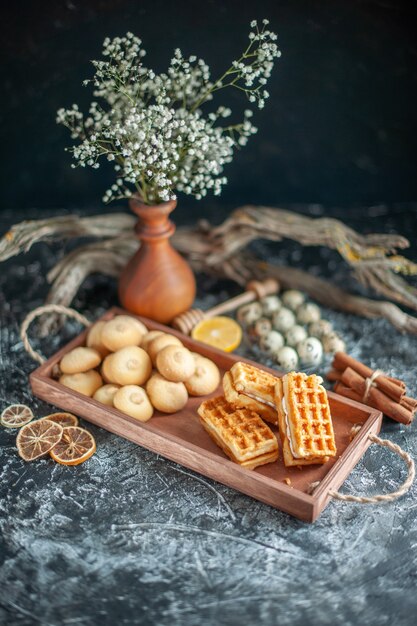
{"x": 157, "y": 282}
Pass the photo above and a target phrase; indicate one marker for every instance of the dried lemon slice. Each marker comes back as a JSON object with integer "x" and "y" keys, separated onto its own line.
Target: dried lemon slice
{"x": 63, "y": 419}
{"x": 37, "y": 439}
{"x": 75, "y": 447}
{"x": 16, "y": 415}
{"x": 221, "y": 332}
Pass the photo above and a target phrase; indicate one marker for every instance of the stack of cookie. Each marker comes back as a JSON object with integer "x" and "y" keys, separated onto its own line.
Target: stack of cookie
{"x": 135, "y": 370}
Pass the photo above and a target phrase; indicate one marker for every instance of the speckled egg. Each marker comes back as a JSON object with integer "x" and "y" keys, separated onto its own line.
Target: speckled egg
{"x": 283, "y": 320}
{"x": 310, "y": 351}
{"x": 249, "y": 313}
{"x": 287, "y": 358}
{"x": 272, "y": 342}
{"x": 292, "y": 299}
{"x": 333, "y": 343}
{"x": 308, "y": 313}
{"x": 320, "y": 328}
{"x": 261, "y": 327}
{"x": 270, "y": 305}
{"x": 296, "y": 334}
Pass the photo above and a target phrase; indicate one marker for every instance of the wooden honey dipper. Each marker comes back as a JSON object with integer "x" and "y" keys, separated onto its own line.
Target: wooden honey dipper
{"x": 255, "y": 290}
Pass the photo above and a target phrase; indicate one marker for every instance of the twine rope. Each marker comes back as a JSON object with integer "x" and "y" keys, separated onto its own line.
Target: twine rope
{"x": 388, "y": 497}
{"x": 378, "y": 499}
{"x": 370, "y": 382}
{"x": 41, "y": 310}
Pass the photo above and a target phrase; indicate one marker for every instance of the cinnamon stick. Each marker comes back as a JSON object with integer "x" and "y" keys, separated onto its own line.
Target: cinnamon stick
{"x": 334, "y": 375}
{"x": 392, "y": 387}
{"x": 376, "y": 398}
{"x": 409, "y": 403}
{"x": 347, "y": 392}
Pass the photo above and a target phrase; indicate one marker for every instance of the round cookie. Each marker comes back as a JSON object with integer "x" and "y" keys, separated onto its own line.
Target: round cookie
{"x": 94, "y": 338}
{"x": 106, "y": 393}
{"x": 150, "y": 336}
{"x": 128, "y": 366}
{"x": 165, "y": 395}
{"x": 80, "y": 360}
{"x": 133, "y": 400}
{"x": 86, "y": 383}
{"x": 122, "y": 331}
{"x": 206, "y": 377}
{"x": 175, "y": 363}
{"x": 106, "y": 370}
{"x": 161, "y": 342}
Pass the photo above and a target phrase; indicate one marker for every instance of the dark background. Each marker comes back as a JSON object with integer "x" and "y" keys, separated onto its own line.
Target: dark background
{"x": 339, "y": 128}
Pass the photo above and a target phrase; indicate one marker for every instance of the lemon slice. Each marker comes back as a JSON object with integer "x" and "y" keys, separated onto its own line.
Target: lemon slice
{"x": 63, "y": 419}
{"x": 37, "y": 439}
{"x": 16, "y": 415}
{"x": 75, "y": 447}
{"x": 221, "y": 332}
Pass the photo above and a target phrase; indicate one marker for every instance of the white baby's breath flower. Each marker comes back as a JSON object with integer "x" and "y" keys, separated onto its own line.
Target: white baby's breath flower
{"x": 152, "y": 127}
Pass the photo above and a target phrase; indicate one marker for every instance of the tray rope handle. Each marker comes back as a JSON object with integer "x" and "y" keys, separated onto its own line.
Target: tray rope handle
{"x": 388, "y": 497}
{"x": 41, "y": 310}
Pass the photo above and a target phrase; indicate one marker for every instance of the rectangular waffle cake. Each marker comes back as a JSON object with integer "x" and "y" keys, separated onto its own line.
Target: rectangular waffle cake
{"x": 305, "y": 423}
{"x": 248, "y": 386}
{"x": 239, "y": 400}
{"x": 240, "y": 433}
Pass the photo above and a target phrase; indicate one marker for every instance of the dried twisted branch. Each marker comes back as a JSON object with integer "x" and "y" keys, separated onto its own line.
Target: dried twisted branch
{"x": 22, "y": 236}
{"x": 373, "y": 258}
{"x": 221, "y": 251}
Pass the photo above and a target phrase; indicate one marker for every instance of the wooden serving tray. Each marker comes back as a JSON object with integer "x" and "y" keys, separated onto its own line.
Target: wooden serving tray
{"x": 181, "y": 438}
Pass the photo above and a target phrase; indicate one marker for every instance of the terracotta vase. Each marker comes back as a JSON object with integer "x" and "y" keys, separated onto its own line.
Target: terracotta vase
{"x": 157, "y": 282}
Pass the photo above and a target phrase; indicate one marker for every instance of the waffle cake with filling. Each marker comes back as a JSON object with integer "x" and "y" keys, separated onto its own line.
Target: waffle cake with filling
{"x": 304, "y": 419}
{"x": 248, "y": 386}
{"x": 240, "y": 400}
{"x": 240, "y": 433}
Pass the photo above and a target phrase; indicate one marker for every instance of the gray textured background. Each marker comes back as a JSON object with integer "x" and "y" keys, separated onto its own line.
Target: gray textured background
{"x": 130, "y": 538}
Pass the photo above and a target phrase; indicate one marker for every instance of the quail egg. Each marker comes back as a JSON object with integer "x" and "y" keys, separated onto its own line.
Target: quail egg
{"x": 270, "y": 305}
{"x": 320, "y": 328}
{"x": 333, "y": 343}
{"x": 283, "y": 320}
{"x": 249, "y": 313}
{"x": 308, "y": 313}
{"x": 272, "y": 342}
{"x": 295, "y": 334}
{"x": 287, "y": 358}
{"x": 310, "y": 351}
{"x": 261, "y": 327}
{"x": 293, "y": 299}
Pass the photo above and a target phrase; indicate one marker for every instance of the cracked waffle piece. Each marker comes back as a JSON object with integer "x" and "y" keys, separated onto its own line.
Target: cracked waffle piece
{"x": 254, "y": 383}
{"x": 240, "y": 433}
{"x": 304, "y": 419}
{"x": 239, "y": 400}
